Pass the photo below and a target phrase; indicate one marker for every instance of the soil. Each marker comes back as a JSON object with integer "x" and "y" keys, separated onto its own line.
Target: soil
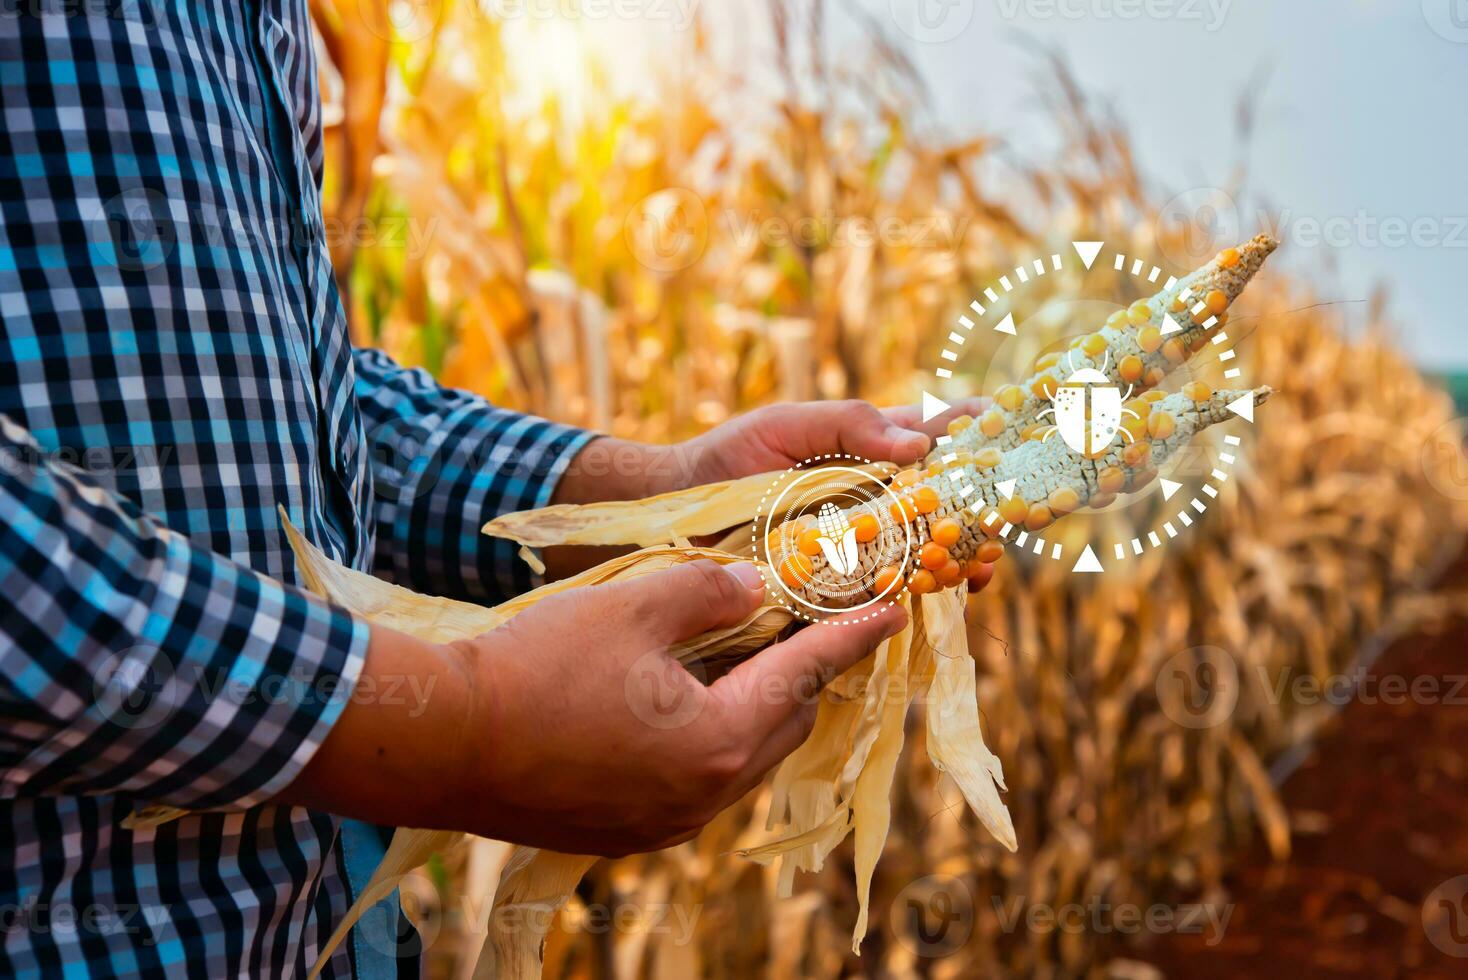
{"x": 1379, "y": 812}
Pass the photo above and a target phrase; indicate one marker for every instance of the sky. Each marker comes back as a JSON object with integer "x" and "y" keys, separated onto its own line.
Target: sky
{"x": 1359, "y": 161}
{"x": 1359, "y": 158}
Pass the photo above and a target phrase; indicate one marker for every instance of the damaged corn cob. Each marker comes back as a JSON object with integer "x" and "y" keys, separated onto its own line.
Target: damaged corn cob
{"x": 839, "y": 781}
{"x": 957, "y": 530}
{"x": 1137, "y": 347}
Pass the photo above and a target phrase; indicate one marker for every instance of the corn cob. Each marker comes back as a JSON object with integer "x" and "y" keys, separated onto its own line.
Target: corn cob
{"x": 1131, "y": 349}
{"x": 955, "y": 533}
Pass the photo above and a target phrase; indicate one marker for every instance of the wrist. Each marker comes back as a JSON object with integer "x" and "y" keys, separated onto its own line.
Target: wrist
{"x": 607, "y": 468}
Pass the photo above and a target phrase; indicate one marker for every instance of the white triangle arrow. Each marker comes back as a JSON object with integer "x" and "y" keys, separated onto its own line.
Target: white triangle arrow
{"x": 1243, "y": 406}
{"x": 1006, "y": 325}
{"x": 1169, "y": 488}
{"x": 933, "y": 406}
{"x": 1169, "y": 325}
{"x": 1087, "y": 562}
{"x": 1087, "y": 251}
{"x": 1006, "y": 487}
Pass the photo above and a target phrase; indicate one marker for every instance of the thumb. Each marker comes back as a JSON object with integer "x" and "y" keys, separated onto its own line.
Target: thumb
{"x": 683, "y": 602}
{"x": 796, "y": 669}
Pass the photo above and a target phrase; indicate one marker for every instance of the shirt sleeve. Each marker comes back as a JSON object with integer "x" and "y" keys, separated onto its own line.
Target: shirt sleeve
{"x": 134, "y": 662}
{"x": 444, "y": 462}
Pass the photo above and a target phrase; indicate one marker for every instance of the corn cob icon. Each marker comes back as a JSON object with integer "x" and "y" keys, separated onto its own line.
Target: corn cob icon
{"x": 837, "y": 540}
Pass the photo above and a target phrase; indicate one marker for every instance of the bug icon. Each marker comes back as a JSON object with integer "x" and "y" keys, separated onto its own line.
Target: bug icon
{"x": 1087, "y": 409}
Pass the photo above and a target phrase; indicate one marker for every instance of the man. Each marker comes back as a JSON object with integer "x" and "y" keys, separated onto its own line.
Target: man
{"x": 161, "y": 397}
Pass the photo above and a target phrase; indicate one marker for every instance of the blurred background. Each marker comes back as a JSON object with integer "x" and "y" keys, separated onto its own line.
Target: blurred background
{"x": 1241, "y": 753}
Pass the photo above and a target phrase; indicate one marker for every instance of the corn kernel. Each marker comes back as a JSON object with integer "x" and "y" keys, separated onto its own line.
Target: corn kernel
{"x": 1153, "y": 396}
{"x": 989, "y": 552}
{"x": 1044, "y": 387}
{"x": 903, "y": 510}
{"x": 796, "y": 570}
{"x": 1137, "y": 425}
{"x": 933, "y": 556}
{"x": 1093, "y": 345}
{"x": 922, "y": 582}
{"x": 887, "y": 582}
{"x": 1111, "y": 480}
{"x": 987, "y": 458}
{"x": 1153, "y": 377}
{"x": 809, "y": 542}
{"x": 1014, "y": 510}
{"x": 1174, "y": 351}
{"x": 1149, "y": 339}
{"x": 946, "y": 532}
{"x": 950, "y": 573}
{"x": 1139, "y": 313}
{"x": 1130, "y": 369}
{"x": 992, "y": 424}
{"x": 1136, "y": 454}
{"x": 866, "y": 527}
{"x": 1228, "y": 258}
{"x": 1100, "y": 501}
{"x": 1216, "y": 301}
{"x": 925, "y": 499}
{"x": 990, "y": 527}
{"x": 1010, "y": 397}
{"x": 959, "y": 424}
{"x": 1198, "y": 391}
{"x": 978, "y": 578}
{"x": 1039, "y": 518}
{"x": 1117, "y": 320}
{"x": 1161, "y": 425}
{"x": 1063, "y": 501}
{"x": 1046, "y": 360}
{"x": 906, "y": 478}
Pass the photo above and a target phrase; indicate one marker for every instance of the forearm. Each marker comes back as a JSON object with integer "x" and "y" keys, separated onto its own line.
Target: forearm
{"x": 619, "y": 469}
{"x": 406, "y": 749}
{"x": 615, "y": 469}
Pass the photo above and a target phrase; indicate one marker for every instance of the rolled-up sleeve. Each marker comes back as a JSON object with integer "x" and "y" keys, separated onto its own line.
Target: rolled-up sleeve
{"x": 444, "y": 462}
{"x": 135, "y": 662}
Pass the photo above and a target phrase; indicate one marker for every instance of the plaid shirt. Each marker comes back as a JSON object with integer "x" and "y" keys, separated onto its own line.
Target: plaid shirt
{"x": 174, "y": 364}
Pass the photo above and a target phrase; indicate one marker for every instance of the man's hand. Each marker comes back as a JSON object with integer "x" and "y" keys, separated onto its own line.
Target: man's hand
{"x": 771, "y": 438}
{"x": 572, "y": 727}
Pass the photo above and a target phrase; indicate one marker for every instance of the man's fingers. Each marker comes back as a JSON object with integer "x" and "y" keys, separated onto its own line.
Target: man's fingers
{"x": 761, "y": 693}
{"x": 910, "y": 417}
{"x": 683, "y": 602}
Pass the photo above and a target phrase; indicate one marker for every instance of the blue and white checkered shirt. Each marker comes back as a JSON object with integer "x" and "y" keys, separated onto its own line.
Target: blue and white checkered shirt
{"x": 175, "y": 364}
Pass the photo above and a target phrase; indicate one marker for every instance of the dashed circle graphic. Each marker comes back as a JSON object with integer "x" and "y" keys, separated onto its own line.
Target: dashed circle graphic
{"x": 1088, "y": 561}
{"x": 823, "y": 493}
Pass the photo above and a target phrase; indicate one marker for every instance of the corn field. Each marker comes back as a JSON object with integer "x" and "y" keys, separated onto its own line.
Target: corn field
{"x": 655, "y": 263}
